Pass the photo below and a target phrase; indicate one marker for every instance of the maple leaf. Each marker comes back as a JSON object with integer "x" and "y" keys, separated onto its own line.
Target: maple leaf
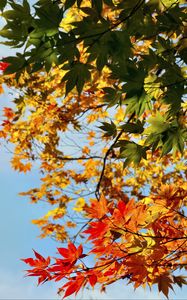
{"x": 122, "y": 207}
{"x": 92, "y": 280}
{"x": 73, "y": 286}
{"x": 79, "y": 204}
{"x": 97, "y": 209}
{"x": 40, "y": 261}
{"x": 8, "y": 113}
{"x": 18, "y": 165}
{"x": 96, "y": 230}
{"x": 164, "y": 284}
{"x": 3, "y": 66}
{"x": 39, "y": 267}
{"x": 71, "y": 254}
{"x": 180, "y": 280}
{"x": 60, "y": 269}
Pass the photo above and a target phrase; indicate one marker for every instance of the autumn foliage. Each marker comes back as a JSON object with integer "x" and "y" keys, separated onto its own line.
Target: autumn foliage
{"x": 100, "y": 110}
{"x": 3, "y": 66}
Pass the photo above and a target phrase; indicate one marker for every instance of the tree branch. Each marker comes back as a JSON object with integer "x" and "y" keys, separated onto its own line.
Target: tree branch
{"x": 64, "y": 158}
{"x": 97, "y": 192}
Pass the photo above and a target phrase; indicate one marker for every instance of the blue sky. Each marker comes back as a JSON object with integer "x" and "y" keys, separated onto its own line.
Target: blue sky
{"x": 19, "y": 236}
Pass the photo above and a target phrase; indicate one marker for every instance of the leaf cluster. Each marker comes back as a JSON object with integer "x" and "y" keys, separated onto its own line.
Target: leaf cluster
{"x": 113, "y": 75}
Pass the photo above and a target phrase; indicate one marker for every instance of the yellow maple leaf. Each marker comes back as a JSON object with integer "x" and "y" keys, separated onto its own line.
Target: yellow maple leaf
{"x": 120, "y": 114}
{"x": 79, "y": 205}
{"x": 55, "y": 213}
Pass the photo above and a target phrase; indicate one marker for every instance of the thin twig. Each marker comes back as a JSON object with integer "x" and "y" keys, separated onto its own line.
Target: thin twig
{"x": 64, "y": 158}
{"x": 97, "y": 192}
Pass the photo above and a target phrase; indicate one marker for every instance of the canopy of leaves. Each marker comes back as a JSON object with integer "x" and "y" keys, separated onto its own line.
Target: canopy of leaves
{"x": 101, "y": 89}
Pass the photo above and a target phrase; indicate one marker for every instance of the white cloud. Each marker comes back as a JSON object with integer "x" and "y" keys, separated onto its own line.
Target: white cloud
{"x": 14, "y": 286}
{"x": 119, "y": 291}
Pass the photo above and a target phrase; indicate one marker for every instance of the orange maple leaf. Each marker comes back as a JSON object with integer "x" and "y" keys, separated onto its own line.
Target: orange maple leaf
{"x": 98, "y": 208}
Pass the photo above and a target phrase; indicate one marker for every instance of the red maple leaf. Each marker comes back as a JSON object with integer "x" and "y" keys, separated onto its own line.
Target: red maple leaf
{"x": 72, "y": 253}
{"x": 92, "y": 279}
{"x": 74, "y": 285}
{"x": 39, "y": 267}
{"x": 39, "y": 262}
{"x": 96, "y": 230}
{"x": 3, "y": 65}
{"x": 8, "y": 112}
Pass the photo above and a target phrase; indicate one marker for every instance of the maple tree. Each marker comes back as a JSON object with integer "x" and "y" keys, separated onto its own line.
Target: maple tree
{"x": 100, "y": 108}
